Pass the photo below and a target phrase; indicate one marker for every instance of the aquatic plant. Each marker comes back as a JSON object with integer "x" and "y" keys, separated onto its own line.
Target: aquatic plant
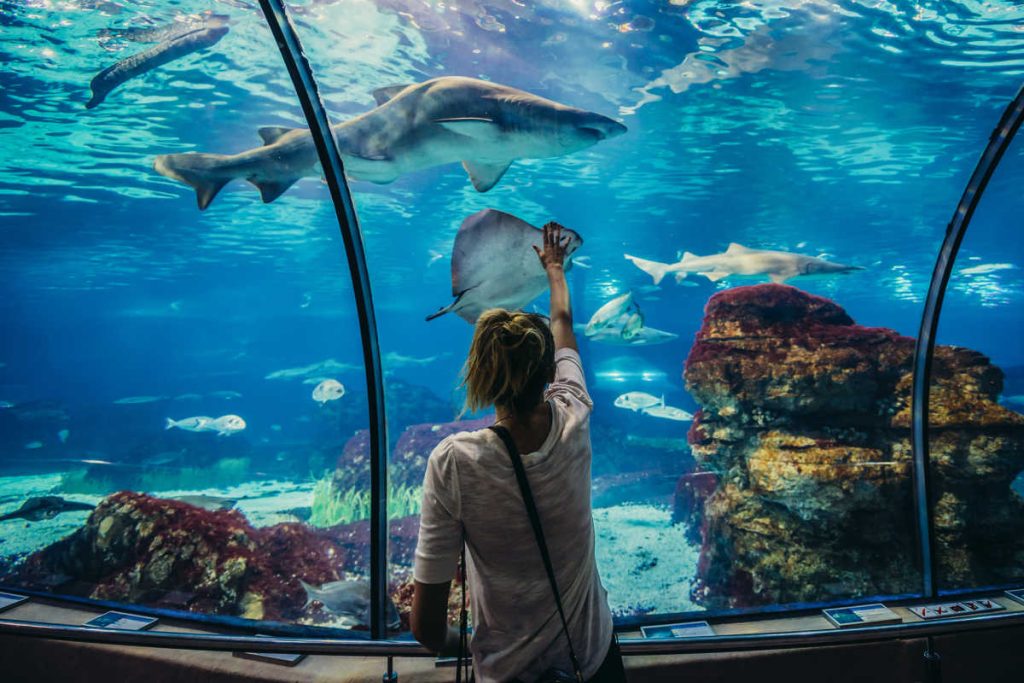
{"x": 334, "y": 505}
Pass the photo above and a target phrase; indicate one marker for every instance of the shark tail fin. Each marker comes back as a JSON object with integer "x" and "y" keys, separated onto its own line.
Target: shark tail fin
{"x": 308, "y": 590}
{"x": 170, "y": 424}
{"x": 197, "y": 170}
{"x": 653, "y": 268}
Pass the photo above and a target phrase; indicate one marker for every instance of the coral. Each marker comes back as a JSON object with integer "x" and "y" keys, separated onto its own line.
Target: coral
{"x": 802, "y": 443}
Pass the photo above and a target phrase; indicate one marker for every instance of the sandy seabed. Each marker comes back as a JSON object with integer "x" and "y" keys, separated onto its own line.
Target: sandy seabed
{"x": 645, "y": 561}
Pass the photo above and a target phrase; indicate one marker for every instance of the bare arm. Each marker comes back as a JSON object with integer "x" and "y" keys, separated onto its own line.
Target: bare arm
{"x": 429, "y": 618}
{"x": 552, "y": 258}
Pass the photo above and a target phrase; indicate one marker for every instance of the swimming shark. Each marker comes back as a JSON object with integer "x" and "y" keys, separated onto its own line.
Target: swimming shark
{"x": 779, "y": 266}
{"x": 39, "y": 508}
{"x": 484, "y": 125}
{"x": 175, "y": 47}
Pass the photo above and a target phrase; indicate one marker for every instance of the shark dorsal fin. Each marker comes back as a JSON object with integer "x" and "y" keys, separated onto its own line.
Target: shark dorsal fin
{"x": 485, "y": 176}
{"x": 271, "y": 134}
{"x": 687, "y": 255}
{"x": 482, "y": 129}
{"x": 388, "y": 92}
{"x": 735, "y": 248}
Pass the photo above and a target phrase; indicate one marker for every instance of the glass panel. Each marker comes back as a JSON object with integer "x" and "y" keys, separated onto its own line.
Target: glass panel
{"x": 977, "y": 396}
{"x": 167, "y": 438}
{"x": 843, "y": 132}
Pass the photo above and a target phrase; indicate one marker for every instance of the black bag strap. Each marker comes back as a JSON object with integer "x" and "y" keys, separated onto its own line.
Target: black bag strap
{"x": 531, "y": 510}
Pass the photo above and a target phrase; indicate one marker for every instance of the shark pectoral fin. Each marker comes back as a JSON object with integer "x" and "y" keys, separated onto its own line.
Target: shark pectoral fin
{"x": 478, "y": 128}
{"x": 272, "y": 189}
{"x": 485, "y": 176}
{"x": 388, "y": 92}
{"x": 715, "y": 275}
{"x": 271, "y": 134}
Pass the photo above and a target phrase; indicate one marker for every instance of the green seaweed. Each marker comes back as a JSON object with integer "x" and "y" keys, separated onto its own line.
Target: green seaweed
{"x": 333, "y": 505}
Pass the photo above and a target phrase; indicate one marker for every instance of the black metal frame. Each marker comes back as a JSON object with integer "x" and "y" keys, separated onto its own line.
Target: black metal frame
{"x": 924, "y": 350}
{"x": 334, "y": 174}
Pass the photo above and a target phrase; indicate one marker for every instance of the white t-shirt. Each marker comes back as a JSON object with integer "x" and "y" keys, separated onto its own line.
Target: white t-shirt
{"x": 470, "y": 485}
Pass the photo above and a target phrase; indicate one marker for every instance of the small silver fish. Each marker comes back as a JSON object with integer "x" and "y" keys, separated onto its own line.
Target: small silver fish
{"x": 638, "y": 400}
{"x": 328, "y": 390}
{"x": 190, "y": 424}
{"x": 63, "y": 435}
{"x": 227, "y": 395}
{"x": 211, "y": 503}
{"x": 32, "y": 445}
{"x": 668, "y": 413}
{"x": 134, "y": 400}
{"x": 225, "y": 425}
{"x": 6, "y": 404}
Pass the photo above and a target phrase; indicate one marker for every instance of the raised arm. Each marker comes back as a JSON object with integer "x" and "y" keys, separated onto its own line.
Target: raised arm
{"x": 552, "y": 257}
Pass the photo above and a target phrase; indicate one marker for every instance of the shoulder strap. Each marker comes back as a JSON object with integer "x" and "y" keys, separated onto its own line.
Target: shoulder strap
{"x": 531, "y": 510}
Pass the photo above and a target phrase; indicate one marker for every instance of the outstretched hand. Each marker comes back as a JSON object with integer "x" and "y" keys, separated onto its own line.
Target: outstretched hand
{"x": 553, "y": 253}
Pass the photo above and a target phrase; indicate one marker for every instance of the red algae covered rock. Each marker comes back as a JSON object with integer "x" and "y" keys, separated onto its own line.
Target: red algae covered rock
{"x": 804, "y": 427}
{"x": 408, "y": 460}
{"x": 135, "y": 548}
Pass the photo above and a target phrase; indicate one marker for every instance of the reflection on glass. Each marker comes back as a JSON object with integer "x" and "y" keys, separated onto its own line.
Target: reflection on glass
{"x": 176, "y": 386}
{"x": 976, "y": 414}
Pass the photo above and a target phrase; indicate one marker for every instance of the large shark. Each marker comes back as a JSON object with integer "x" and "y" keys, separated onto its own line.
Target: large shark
{"x": 779, "y": 266}
{"x": 484, "y": 125}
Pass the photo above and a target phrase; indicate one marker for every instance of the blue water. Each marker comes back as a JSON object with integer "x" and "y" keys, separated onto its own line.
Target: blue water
{"x": 843, "y": 128}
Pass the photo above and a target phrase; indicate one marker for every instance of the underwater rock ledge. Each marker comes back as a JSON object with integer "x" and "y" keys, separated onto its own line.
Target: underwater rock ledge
{"x": 803, "y": 490}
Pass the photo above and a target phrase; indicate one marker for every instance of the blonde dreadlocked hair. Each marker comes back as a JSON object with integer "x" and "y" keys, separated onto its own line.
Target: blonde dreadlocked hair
{"x": 510, "y": 360}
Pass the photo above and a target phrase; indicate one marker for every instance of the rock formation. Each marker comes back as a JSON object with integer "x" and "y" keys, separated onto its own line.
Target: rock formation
{"x": 165, "y": 553}
{"x": 803, "y": 491}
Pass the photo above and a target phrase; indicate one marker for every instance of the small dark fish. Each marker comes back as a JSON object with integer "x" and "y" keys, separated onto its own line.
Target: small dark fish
{"x": 159, "y": 34}
{"x": 44, "y": 507}
{"x": 147, "y": 60}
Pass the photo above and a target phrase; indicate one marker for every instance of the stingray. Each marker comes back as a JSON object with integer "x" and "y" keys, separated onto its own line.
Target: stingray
{"x": 494, "y": 266}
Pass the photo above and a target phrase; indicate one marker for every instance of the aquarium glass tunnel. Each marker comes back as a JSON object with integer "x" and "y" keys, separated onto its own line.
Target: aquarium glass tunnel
{"x": 242, "y": 244}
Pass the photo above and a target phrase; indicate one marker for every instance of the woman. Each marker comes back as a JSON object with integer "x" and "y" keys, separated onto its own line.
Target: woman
{"x": 470, "y": 493}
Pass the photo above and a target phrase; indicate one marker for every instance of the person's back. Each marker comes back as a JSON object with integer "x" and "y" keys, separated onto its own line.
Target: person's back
{"x": 470, "y": 488}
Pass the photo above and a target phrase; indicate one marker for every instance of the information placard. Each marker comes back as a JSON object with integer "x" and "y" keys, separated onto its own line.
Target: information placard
{"x": 689, "y": 629}
{"x": 9, "y": 600}
{"x": 122, "y": 620}
{"x": 963, "y": 608}
{"x": 1017, "y": 595}
{"x": 282, "y": 658}
{"x": 861, "y": 615}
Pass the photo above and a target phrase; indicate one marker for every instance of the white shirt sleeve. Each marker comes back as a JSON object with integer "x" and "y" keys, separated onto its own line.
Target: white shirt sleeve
{"x": 440, "y": 537}
{"x": 569, "y": 384}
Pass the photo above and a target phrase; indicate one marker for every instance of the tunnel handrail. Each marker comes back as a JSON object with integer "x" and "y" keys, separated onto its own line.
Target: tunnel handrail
{"x": 924, "y": 349}
{"x": 334, "y": 174}
{"x": 397, "y": 648}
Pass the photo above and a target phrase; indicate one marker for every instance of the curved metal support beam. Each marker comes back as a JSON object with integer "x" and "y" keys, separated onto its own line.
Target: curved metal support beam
{"x": 406, "y": 648}
{"x": 925, "y": 347}
{"x": 334, "y": 173}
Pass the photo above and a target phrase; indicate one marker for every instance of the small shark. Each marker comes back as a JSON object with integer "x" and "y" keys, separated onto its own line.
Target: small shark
{"x": 779, "y": 266}
{"x": 44, "y": 507}
{"x": 484, "y": 125}
{"x": 622, "y": 311}
{"x": 211, "y": 503}
{"x": 350, "y": 599}
{"x": 135, "y": 65}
